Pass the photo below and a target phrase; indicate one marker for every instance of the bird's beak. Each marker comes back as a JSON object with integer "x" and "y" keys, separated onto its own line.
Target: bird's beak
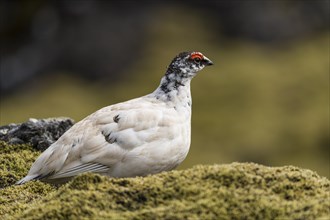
{"x": 207, "y": 61}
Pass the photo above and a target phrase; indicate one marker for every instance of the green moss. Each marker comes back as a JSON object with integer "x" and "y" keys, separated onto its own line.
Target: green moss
{"x": 16, "y": 199}
{"x": 233, "y": 191}
{"x": 15, "y": 162}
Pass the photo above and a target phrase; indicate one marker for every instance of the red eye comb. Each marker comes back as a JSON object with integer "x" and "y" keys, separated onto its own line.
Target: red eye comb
{"x": 196, "y": 55}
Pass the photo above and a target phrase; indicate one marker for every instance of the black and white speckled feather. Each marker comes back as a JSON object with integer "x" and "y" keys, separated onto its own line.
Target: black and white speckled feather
{"x": 179, "y": 74}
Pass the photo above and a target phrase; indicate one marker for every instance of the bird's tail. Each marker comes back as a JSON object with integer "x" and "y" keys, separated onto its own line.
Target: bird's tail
{"x": 27, "y": 179}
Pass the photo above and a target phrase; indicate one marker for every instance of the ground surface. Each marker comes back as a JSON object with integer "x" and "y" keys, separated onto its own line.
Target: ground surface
{"x": 232, "y": 191}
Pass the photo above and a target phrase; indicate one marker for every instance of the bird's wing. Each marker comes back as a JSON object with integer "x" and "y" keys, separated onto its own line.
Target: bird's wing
{"x": 82, "y": 168}
{"x": 101, "y": 140}
{"x": 65, "y": 149}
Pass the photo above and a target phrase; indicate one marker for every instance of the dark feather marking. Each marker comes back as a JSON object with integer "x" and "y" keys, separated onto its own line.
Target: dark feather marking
{"x": 43, "y": 176}
{"x": 75, "y": 142}
{"x": 177, "y": 84}
{"x": 116, "y": 118}
{"x": 51, "y": 154}
{"x": 109, "y": 139}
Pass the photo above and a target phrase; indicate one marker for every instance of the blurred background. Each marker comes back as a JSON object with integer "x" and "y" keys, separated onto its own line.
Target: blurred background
{"x": 265, "y": 100}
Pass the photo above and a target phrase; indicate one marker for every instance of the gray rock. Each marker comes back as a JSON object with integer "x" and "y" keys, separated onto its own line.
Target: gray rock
{"x": 40, "y": 133}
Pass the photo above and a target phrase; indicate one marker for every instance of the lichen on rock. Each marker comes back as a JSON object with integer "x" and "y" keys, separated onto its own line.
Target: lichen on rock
{"x": 230, "y": 191}
{"x": 40, "y": 133}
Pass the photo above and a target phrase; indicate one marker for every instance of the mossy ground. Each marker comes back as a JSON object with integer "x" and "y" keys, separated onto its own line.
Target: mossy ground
{"x": 233, "y": 191}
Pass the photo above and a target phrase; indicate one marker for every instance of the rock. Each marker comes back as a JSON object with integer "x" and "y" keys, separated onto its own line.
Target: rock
{"x": 40, "y": 133}
{"x": 229, "y": 191}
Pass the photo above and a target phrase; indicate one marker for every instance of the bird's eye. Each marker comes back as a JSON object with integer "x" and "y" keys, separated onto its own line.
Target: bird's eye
{"x": 197, "y": 59}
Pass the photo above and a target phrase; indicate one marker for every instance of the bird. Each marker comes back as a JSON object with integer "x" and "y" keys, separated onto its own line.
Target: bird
{"x": 139, "y": 137}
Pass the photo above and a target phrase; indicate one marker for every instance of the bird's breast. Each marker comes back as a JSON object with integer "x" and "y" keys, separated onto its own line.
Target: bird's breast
{"x": 161, "y": 148}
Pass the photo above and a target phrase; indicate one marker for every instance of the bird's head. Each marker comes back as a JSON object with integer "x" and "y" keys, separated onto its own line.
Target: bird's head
{"x": 180, "y": 72}
{"x": 187, "y": 64}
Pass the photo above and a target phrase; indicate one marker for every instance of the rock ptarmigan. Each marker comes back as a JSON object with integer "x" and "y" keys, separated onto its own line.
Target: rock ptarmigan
{"x": 142, "y": 136}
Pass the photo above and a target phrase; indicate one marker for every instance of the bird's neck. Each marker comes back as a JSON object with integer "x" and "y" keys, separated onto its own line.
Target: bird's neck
{"x": 174, "y": 88}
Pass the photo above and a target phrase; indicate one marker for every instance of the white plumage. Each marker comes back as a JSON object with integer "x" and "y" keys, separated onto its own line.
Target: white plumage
{"x": 142, "y": 136}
